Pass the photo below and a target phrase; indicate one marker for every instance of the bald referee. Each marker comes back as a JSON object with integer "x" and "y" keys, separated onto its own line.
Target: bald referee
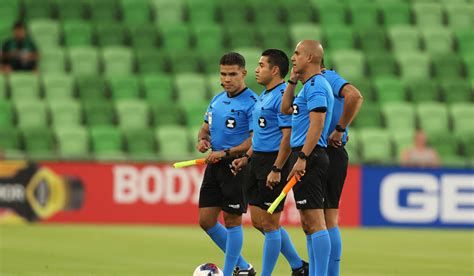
{"x": 268, "y": 167}
{"x": 347, "y": 102}
{"x": 312, "y": 112}
{"x": 227, "y": 132}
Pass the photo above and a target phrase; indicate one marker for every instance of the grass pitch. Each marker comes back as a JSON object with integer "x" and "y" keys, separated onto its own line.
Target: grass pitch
{"x": 167, "y": 251}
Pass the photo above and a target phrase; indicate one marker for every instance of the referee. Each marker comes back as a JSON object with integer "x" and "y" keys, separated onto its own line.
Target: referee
{"x": 268, "y": 170}
{"x": 227, "y": 132}
{"x": 312, "y": 111}
{"x": 347, "y": 102}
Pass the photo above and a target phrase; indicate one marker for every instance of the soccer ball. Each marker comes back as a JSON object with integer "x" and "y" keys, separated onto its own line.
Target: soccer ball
{"x": 208, "y": 269}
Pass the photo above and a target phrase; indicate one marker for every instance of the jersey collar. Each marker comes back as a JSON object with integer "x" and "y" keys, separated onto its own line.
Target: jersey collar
{"x": 273, "y": 88}
{"x": 311, "y": 78}
{"x": 240, "y": 92}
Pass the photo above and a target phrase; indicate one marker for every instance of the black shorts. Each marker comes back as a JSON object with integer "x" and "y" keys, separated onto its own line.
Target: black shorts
{"x": 309, "y": 191}
{"x": 257, "y": 191}
{"x": 220, "y": 188}
{"x": 338, "y": 162}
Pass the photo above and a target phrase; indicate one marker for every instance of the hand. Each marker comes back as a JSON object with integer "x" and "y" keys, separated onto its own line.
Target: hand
{"x": 335, "y": 139}
{"x": 203, "y": 145}
{"x": 215, "y": 157}
{"x": 238, "y": 164}
{"x": 273, "y": 179}
{"x": 299, "y": 169}
{"x": 294, "y": 76}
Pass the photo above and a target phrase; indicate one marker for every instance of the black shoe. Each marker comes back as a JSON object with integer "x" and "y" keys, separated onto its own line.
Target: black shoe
{"x": 302, "y": 271}
{"x": 246, "y": 272}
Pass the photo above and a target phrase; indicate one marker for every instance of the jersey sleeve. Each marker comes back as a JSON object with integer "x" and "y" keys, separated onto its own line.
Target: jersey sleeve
{"x": 284, "y": 120}
{"x": 337, "y": 83}
{"x": 317, "y": 99}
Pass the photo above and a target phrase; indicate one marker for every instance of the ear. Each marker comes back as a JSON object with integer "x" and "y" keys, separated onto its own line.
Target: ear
{"x": 244, "y": 72}
{"x": 275, "y": 71}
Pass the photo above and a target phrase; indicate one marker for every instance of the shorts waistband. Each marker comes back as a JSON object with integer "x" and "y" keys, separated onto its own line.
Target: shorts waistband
{"x": 300, "y": 147}
{"x": 264, "y": 153}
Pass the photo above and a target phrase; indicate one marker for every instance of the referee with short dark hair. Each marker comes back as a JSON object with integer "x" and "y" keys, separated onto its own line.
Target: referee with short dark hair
{"x": 227, "y": 132}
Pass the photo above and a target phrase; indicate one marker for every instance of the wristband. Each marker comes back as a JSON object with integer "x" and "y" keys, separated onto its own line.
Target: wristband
{"x": 276, "y": 169}
{"x": 292, "y": 82}
{"x": 303, "y": 156}
{"x": 227, "y": 152}
{"x": 339, "y": 128}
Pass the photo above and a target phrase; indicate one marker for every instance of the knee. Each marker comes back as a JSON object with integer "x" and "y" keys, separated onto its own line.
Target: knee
{"x": 269, "y": 226}
{"x": 206, "y": 223}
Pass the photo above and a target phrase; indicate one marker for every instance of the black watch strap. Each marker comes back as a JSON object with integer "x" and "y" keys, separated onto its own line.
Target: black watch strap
{"x": 303, "y": 156}
{"x": 227, "y": 152}
{"x": 292, "y": 82}
{"x": 339, "y": 128}
{"x": 276, "y": 169}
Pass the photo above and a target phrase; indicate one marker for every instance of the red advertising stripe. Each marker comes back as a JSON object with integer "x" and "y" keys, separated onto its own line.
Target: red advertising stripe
{"x": 349, "y": 207}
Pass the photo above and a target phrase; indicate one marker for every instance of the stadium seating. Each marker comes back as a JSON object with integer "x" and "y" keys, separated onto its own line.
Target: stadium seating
{"x": 376, "y": 146}
{"x": 173, "y": 142}
{"x": 118, "y": 68}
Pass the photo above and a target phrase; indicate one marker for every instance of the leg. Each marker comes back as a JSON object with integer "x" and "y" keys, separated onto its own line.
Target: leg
{"x": 233, "y": 223}
{"x": 331, "y": 216}
{"x": 314, "y": 225}
{"x": 272, "y": 245}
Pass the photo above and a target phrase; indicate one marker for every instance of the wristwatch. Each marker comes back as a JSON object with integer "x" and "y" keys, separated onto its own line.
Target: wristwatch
{"x": 227, "y": 152}
{"x": 246, "y": 156}
{"x": 292, "y": 82}
{"x": 339, "y": 128}
{"x": 276, "y": 169}
{"x": 303, "y": 156}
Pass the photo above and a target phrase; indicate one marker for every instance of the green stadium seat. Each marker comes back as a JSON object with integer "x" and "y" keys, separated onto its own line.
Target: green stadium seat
{"x": 77, "y": 33}
{"x": 52, "y": 61}
{"x": 107, "y": 143}
{"x": 239, "y": 15}
{"x": 143, "y": 37}
{"x": 35, "y": 9}
{"x": 338, "y": 37}
{"x": 350, "y": 63}
{"x": 381, "y": 65}
{"x": 84, "y": 60}
{"x": 184, "y": 81}
{"x": 468, "y": 143}
{"x": 173, "y": 142}
{"x": 31, "y": 113}
{"x": 5, "y": 30}
{"x": 428, "y": 14}
{"x": 10, "y": 141}
{"x": 395, "y": 13}
{"x": 166, "y": 114}
{"x": 73, "y": 142}
{"x": 152, "y": 61}
{"x": 373, "y": 40}
{"x": 460, "y": 14}
{"x": 209, "y": 38}
{"x": 91, "y": 87}
{"x": 302, "y": 31}
{"x": 240, "y": 36}
{"x": 132, "y": 114}
{"x": 210, "y": 62}
{"x": 176, "y": 37}
{"x": 24, "y": 86}
{"x": 364, "y": 15}
{"x": 402, "y": 140}
{"x": 135, "y": 12}
{"x": 369, "y": 116}
{"x": 456, "y": 91}
{"x": 58, "y": 86}
{"x": 194, "y": 112}
{"x": 117, "y": 60}
{"x": 3, "y": 88}
{"x": 447, "y": 66}
{"x": 264, "y": 12}
{"x": 364, "y": 85}
{"x": 414, "y": 65}
{"x": 104, "y": 11}
{"x": 39, "y": 143}
{"x": 404, "y": 39}
{"x": 214, "y": 84}
{"x": 45, "y": 32}
{"x": 422, "y": 90}
{"x": 437, "y": 40}
{"x": 98, "y": 113}
{"x": 192, "y": 136}
{"x": 168, "y": 11}
{"x": 461, "y": 116}
{"x": 331, "y": 13}
{"x": 6, "y": 114}
{"x": 295, "y": 12}
{"x": 140, "y": 144}
{"x": 469, "y": 65}
{"x": 252, "y": 57}
{"x": 447, "y": 148}
{"x": 65, "y": 112}
{"x": 399, "y": 116}
{"x": 375, "y": 145}
{"x": 124, "y": 87}
{"x": 158, "y": 88}
{"x": 70, "y": 9}
{"x": 433, "y": 117}
{"x": 465, "y": 40}
{"x": 352, "y": 146}
{"x": 274, "y": 37}
{"x": 389, "y": 89}
{"x": 110, "y": 34}
{"x": 200, "y": 11}
{"x": 184, "y": 62}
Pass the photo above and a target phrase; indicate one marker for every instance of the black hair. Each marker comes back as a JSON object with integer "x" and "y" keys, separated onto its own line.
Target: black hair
{"x": 278, "y": 58}
{"x": 233, "y": 58}
{"x": 18, "y": 25}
